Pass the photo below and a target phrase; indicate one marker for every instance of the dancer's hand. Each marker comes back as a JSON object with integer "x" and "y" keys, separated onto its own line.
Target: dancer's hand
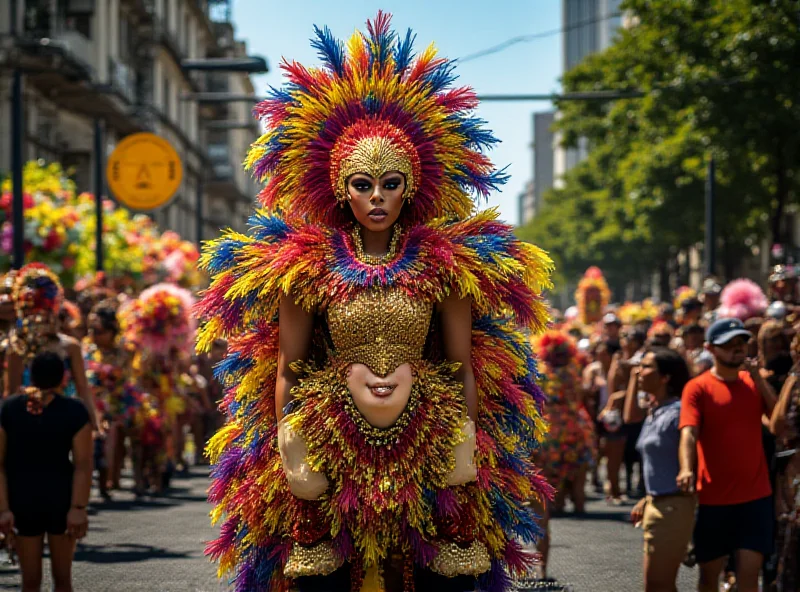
{"x": 637, "y": 513}
{"x": 6, "y": 522}
{"x": 77, "y": 523}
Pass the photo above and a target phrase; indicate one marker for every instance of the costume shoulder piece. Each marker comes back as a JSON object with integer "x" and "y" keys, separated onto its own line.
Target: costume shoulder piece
{"x": 478, "y": 258}
{"x": 386, "y": 490}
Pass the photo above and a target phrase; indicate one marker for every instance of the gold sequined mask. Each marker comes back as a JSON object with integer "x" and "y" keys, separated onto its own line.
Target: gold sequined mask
{"x": 373, "y": 148}
{"x": 381, "y": 328}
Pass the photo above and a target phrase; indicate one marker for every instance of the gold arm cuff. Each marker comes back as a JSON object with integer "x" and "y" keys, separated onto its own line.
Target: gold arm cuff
{"x": 318, "y": 560}
{"x": 453, "y": 560}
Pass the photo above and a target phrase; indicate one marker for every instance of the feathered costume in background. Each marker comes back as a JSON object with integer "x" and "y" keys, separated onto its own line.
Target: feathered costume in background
{"x": 302, "y": 243}
{"x": 592, "y": 296}
{"x": 159, "y": 324}
{"x": 569, "y": 444}
{"x": 742, "y": 299}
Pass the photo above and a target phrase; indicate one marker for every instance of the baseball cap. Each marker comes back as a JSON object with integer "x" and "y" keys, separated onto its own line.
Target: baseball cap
{"x": 611, "y": 319}
{"x": 723, "y": 330}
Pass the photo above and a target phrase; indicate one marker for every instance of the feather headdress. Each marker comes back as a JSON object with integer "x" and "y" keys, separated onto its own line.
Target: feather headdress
{"x": 160, "y": 318}
{"x": 592, "y": 295}
{"x": 373, "y": 106}
{"x": 742, "y": 299}
{"x": 37, "y": 290}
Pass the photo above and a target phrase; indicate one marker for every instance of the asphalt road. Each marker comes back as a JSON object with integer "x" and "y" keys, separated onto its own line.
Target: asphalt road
{"x": 157, "y": 546}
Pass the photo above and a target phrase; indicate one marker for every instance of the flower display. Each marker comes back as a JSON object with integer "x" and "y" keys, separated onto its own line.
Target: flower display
{"x": 52, "y": 224}
{"x": 61, "y": 230}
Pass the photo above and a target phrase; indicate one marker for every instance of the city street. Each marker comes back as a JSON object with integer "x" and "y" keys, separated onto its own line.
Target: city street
{"x": 157, "y": 546}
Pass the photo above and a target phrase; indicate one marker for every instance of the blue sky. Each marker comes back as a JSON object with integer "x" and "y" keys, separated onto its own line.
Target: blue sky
{"x": 459, "y": 28}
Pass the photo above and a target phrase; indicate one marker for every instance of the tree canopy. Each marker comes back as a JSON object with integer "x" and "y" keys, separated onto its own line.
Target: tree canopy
{"x": 717, "y": 79}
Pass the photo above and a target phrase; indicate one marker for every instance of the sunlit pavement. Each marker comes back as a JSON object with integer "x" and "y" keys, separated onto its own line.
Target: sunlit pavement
{"x": 156, "y": 545}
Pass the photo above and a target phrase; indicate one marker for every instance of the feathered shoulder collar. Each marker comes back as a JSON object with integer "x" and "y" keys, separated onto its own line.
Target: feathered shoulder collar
{"x": 479, "y": 258}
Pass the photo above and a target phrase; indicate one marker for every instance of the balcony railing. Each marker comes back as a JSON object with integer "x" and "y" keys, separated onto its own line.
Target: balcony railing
{"x": 43, "y": 27}
{"x": 123, "y": 79}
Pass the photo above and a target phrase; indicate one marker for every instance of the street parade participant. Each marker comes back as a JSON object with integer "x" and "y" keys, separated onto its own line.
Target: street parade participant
{"x": 37, "y": 295}
{"x": 722, "y": 457}
{"x": 785, "y": 425}
{"x": 783, "y": 284}
{"x": 394, "y": 378}
{"x": 592, "y": 296}
{"x": 595, "y": 384}
{"x": 160, "y": 326}
{"x": 567, "y": 452}
{"x": 45, "y": 472}
{"x": 710, "y": 294}
{"x": 620, "y": 379}
{"x": 109, "y": 368}
{"x": 666, "y": 514}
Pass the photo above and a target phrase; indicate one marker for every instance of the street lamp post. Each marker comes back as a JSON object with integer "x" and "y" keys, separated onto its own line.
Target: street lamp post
{"x": 99, "y": 189}
{"x": 17, "y": 131}
{"x": 710, "y": 246}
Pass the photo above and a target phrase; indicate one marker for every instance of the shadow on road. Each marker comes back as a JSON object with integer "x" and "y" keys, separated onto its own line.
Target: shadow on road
{"x": 594, "y": 516}
{"x": 124, "y": 553}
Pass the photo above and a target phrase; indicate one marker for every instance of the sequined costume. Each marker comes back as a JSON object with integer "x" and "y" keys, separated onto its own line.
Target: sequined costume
{"x": 110, "y": 374}
{"x": 569, "y": 444}
{"x": 374, "y": 107}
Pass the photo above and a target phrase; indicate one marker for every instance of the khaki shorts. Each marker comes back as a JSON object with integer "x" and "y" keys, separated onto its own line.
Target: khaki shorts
{"x": 668, "y": 522}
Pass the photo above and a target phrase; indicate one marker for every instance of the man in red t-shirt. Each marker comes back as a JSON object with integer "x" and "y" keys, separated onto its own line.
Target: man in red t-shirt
{"x": 721, "y": 418}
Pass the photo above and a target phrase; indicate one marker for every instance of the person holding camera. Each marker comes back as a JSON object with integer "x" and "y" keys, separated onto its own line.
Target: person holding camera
{"x": 45, "y": 473}
{"x": 721, "y": 455}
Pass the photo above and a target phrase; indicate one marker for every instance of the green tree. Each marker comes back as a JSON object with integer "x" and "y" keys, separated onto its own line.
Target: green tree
{"x": 716, "y": 78}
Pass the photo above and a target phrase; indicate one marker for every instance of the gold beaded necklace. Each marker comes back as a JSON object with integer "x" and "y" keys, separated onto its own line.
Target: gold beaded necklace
{"x": 358, "y": 245}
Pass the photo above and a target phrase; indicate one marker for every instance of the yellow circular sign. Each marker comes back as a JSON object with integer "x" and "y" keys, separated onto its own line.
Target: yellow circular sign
{"x": 144, "y": 171}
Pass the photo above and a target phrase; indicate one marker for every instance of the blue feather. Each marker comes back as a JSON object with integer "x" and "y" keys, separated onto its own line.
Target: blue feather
{"x": 440, "y": 77}
{"x": 329, "y": 49}
{"x": 403, "y": 52}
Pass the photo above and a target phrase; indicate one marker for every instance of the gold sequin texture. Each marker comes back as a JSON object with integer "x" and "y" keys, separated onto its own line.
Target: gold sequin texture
{"x": 375, "y": 156}
{"x": 316, "y": 560}
{"x": 454, "y": 560}
{"x": 381, "y": 328}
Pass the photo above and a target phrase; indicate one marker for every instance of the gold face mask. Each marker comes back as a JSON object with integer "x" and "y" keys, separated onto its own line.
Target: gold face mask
{"x": 374, "y": 149}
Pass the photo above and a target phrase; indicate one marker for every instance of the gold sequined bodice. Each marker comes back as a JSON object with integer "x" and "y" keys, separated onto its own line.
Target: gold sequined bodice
{"x": 382, "y": 328}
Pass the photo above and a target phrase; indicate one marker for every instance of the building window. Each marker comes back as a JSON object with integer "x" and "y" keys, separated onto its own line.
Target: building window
{"x": 167, "y": 98}
{"x": 168, "y": 14}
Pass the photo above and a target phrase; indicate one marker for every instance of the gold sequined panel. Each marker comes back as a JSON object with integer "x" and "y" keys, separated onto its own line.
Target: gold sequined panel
{"x": 381, "y": 328}
{"x": 376, "y": 156}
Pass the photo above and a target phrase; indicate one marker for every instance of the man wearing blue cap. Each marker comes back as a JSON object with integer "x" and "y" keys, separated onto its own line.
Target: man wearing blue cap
{"x": 721, "y": 419}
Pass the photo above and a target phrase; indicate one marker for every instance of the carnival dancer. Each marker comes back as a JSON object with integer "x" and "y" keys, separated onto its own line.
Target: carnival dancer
{"x": 568, "y": 450}
{"x": 160, "y": 325}
{"x": 109, "y": 366}
{"x": 382, "y": 410}
{"x": 592, "y": 296}
{"x": 37, "y": 296}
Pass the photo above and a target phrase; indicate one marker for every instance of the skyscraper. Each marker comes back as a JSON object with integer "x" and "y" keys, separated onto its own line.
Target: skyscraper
{"x": 589, "y": 26}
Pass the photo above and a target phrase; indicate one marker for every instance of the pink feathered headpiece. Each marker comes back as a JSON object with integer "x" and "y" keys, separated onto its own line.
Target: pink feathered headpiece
{"x": 742, "y": 299}
{"x": 160, "y": 319}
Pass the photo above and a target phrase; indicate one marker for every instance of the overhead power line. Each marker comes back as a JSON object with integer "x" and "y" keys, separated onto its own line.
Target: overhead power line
{"x": 534, "y": 36}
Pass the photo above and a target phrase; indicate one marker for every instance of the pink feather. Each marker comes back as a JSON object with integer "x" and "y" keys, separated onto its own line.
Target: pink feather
{"x": 742, "y": 299}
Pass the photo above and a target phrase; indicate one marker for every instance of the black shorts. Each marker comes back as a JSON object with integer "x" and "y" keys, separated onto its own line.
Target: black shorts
{"x": 30, "y": 522}
{"x": 721, "y": 530}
